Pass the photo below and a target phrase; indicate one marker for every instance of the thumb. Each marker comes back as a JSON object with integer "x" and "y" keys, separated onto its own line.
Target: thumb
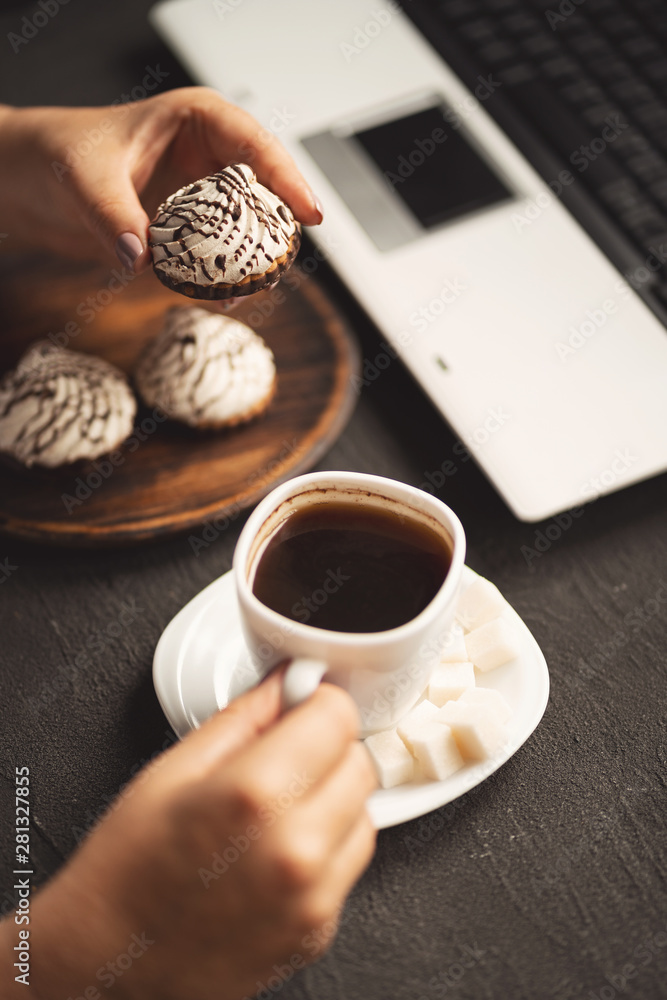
{"x": 112, "y": 211}
{"x": 227, "y": 731}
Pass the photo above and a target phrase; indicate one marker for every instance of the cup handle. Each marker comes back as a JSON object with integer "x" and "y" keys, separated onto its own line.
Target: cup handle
{"x": 302, "y": 678}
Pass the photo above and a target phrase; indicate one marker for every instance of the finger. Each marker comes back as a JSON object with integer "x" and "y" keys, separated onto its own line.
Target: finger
{"x": 235, "y": 136}
{"x": 307, "y": 743}
{"x": 333, "y": 807}
{"x": 353, "y": 857}
{"x": 110, "y": 208}
{"x": 229, "y": 730}
{"x": 325, "y": 902}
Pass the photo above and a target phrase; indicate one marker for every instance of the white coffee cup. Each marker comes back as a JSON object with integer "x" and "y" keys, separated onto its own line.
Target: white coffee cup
{"x": 384, "y": 672}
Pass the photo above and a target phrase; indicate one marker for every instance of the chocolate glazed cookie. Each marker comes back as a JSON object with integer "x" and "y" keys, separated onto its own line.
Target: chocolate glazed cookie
{"x": 206, "y": 370}
{"x": 223, "y": 236}
{"x": 58, "y": 407}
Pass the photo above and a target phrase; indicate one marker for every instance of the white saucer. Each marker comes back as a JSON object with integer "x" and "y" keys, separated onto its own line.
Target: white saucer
{"x": 201, "y": 663}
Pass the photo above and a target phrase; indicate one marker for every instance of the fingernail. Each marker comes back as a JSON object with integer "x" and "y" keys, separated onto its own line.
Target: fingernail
{"x": 128, "y": 248}
{"x": 318, "y": 207}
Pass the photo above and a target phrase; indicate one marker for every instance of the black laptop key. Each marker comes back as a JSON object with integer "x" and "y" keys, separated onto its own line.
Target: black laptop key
{"x": 561, "y": 69}
{"x": 510, "y": 76}
{"x": 497, "y": 54}
{"x": 648, "y": 167}
{"x": 522, "y": 23}
{"x": 539, "y": 46}
{"x": 584, "y": 92}
{"x": 598, "y": 115}
{"x": 480, "y": 31}
{"x": 659, "y": 190}
{"x": 591, "y": 46}
{"x": 640, "y": 47}
{"x": 657, "y": 70}
{"x": 458, "y": 9}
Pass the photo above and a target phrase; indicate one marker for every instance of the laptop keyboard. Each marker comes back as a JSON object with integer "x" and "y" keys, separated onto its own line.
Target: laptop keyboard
{"x": 589, "y": 78}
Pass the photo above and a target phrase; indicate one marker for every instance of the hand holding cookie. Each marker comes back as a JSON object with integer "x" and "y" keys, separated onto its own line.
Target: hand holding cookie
{"x": 100, "y": 204}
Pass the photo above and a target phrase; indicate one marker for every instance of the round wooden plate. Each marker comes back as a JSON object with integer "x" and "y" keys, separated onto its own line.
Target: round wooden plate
{"x": 172, "y": 478}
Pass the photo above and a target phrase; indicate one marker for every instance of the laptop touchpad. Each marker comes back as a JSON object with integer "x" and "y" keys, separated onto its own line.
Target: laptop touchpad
{"x": 409, "y": 174}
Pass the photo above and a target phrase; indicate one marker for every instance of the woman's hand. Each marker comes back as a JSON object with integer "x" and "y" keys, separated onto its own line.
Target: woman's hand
{"x": 221, "y": 867}
{"x": 84, "y": 181}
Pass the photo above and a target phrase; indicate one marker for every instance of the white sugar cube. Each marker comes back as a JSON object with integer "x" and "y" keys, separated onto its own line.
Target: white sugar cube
{"x": 454, "y": 650}
{"x": 492, "y": 644}
{"x": 412, "y": 724}
{"x": 481, "y": 602}
{"x": 477, "y": 731}
{"x": 393, "y": 761}
{"x": 436, "y": 750}
{"x": 449, "y": 681}
{"x": 490, "y": 698}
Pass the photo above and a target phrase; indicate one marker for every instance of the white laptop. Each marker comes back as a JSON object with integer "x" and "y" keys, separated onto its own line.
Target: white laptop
{"x": 545, "y": 363}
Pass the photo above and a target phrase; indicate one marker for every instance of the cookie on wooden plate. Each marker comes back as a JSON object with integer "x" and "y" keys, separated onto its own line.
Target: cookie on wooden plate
{"x": 58, "y": 407}
{"x": 206, "y": 370}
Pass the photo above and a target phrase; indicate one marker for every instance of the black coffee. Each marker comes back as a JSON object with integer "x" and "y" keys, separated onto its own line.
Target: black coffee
{"x": 350, "y": 568}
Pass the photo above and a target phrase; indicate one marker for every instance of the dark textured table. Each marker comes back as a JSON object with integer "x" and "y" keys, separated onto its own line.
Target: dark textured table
{"x": 548, "y": 881}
